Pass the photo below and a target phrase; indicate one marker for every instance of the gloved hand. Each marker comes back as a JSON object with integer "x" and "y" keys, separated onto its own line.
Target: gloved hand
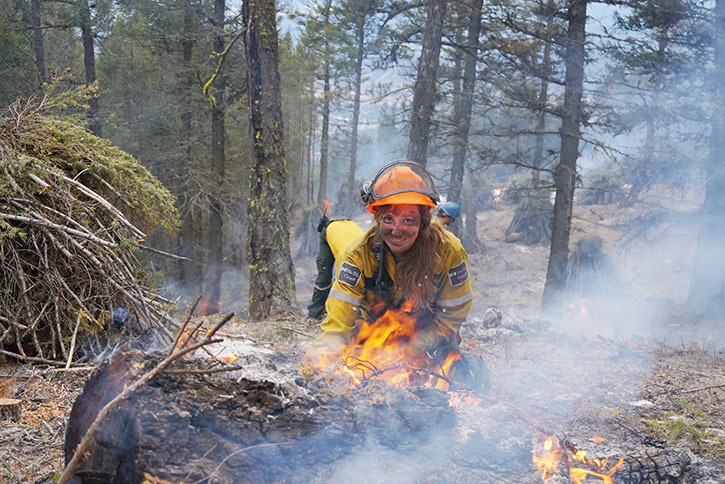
{"x": 426, "y": 338}
{"x": 361, "y": 330}
{"x": 471, "y": 372}
{"x": 324, "y": 221}
{"x": 323, "y": 352}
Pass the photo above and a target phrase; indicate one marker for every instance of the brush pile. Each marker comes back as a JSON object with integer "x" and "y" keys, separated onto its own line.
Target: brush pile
{"x": 73, "y": 211}
{"x": 532, "y": 221}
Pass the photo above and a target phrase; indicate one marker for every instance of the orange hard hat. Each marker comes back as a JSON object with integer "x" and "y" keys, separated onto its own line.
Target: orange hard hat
{"x": 400, "y": 183}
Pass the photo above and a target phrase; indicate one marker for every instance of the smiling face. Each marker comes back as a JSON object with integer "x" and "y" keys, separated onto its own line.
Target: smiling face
{"x": 399, "y": 227}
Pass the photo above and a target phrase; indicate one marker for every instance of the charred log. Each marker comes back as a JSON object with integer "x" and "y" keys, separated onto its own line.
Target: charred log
{"x": 196, "y": 427}
{"x": 191, "y": 426}
{"x": 653, "y": 465}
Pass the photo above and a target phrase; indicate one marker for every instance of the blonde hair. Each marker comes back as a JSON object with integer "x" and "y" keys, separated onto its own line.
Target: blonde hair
{"x": 414, "y": 271}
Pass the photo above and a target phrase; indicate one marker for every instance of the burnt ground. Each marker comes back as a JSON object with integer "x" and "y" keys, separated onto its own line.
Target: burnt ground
{"x": 626, "y": 374}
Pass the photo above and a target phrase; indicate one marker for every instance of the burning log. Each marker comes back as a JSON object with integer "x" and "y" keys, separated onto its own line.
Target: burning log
{"x": 646, "y": 465}
{"x": 196, "y": 427}
{"x": 264, "y": 423}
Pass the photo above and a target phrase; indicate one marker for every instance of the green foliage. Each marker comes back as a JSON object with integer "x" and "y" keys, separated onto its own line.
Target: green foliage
{"x": 17, "y": 72}
{"x": 67, "y": 147}
{"x": 689, "y": 427}
{"x": 603, "y": 185}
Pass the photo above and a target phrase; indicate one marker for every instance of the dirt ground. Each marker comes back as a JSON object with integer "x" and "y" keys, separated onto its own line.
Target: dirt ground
{"x": 616, "y": 373}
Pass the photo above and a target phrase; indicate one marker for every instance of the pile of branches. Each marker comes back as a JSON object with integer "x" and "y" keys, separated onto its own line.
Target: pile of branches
{"x": 73, "y": 210}
{"x": 590, "y": 271}
{"x": 532, "y": 221}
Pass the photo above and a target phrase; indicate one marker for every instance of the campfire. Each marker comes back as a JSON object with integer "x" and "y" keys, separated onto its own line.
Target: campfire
{"x": 549, "y": 453}
{"x": 264, "y": 423}
{"x": 383, "y": 351}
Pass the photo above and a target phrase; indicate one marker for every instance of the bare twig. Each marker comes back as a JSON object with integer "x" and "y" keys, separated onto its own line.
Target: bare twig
{"x": 73, "y": 341}
{"x": 700, "y": 389}
{"x": 292, "y": 330}
{"x": 203, "y": 372}
{"x": 237, "y": 452}
{"x": 161, "y": 252}
{"x": 32, "y": 359}
{"x": 181, "y": 330}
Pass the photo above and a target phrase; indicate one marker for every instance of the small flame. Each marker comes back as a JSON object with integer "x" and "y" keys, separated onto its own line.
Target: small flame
{"x": 548, "y": 454}
{"x": 580, "y": 308}
{"x": 383, "y": 350}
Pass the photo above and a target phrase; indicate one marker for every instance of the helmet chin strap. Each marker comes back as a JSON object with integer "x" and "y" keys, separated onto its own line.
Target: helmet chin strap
{"x": 383, "y": 281}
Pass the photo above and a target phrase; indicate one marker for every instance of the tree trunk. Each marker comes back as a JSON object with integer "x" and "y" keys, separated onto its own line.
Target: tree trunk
{"x": 311, "y": 142}
{"x": 326, "y": 95}
{"x": 218, "y": 159}
{"x": 424, "y": 96}
{"x": 538, "y": 155}
{"x": 89, "y": 63}
{"x": 707, "y": 290}
{"x": 272, "y": 283}
{"x": 190, "y": 233}
{"x": 360, "y": 35}
{"x": 565, "y": 171}
{"x": 462, "y": 121}
{"x": 38, "y": 44}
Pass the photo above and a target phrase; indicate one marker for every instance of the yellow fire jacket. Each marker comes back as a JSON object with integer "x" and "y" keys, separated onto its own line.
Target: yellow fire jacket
{"x": 350, "y": 299}
{"x": 340, "y": 235}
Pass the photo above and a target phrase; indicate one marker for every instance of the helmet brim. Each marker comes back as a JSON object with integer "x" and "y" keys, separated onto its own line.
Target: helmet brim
{"x": 403, "y": 198}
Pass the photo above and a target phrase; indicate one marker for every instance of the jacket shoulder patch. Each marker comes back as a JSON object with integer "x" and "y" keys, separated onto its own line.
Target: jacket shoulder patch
{"x": 348, "y": 274}
{"x": 458, "y": 275}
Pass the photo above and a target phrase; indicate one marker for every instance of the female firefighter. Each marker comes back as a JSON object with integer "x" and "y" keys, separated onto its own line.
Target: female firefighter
{"x": 403, "y": 262}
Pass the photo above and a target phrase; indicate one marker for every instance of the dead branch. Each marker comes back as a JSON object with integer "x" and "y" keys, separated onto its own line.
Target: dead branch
{"x": 700, "y": 389}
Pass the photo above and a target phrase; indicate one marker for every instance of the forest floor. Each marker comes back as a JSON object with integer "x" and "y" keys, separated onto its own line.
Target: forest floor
{"x": 618, "y": 372}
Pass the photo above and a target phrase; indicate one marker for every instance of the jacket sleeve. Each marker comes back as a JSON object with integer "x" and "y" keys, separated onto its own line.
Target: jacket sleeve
{"x": 347, "y": 293}
{"x": 455, "y": 299}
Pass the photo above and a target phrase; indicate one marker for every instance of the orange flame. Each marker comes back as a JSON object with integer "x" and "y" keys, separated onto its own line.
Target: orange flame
{"x": 577, "y": 309}
{"x": 384, "y": 350}
{"x": 548, "y": 454}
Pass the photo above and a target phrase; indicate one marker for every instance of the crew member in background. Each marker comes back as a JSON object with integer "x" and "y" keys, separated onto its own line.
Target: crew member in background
{"x": 403, "y": 262}
{"x": 448, "y": 212}
{"x": 335, "y": 237}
